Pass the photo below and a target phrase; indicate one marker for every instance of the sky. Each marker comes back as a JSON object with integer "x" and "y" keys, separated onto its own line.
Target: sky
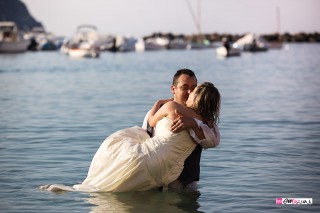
{"x": 143, "y": 17}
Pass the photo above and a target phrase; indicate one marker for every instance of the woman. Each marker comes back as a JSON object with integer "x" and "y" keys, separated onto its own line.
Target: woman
{"x": 129, "y": 160}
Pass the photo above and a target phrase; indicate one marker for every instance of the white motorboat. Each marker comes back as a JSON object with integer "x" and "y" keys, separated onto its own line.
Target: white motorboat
{"x": 223, "y": 52}
{"x": 10, "y": 39}
{"x": 83, "y": 51}
{"x": 126, "y": 43}
{"x": 84, "y": 44}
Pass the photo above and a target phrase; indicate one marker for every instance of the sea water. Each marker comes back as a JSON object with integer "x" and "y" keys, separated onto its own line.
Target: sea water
{"x": 56, "y": 111}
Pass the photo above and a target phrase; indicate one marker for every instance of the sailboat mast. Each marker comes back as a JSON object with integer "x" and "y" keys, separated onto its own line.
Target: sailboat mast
{"x": 199, "y": 17}
{"x": 196, "y": 18}
{"x": 278, "y": 21}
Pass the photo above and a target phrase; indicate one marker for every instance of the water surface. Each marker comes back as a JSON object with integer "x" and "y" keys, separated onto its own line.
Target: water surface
{"x": 56, "y": 111}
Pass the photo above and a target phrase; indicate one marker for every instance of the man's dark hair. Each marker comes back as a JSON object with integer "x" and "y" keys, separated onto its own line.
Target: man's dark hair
{"x": 188, "y": 72}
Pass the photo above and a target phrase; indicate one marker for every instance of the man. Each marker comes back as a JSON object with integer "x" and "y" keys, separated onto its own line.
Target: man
{"x": 184, "y": 81}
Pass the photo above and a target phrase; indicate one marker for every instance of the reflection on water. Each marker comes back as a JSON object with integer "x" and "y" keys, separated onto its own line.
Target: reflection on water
{"x": 155, "y": 200}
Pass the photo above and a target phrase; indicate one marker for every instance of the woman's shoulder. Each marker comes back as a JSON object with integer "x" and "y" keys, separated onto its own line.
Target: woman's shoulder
{"x": 175, "y": 107}
{"x": 172, "y": 105}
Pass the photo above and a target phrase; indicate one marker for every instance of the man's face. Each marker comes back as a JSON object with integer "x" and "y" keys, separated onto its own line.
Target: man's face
{"x": 189, "y": 102}
{"x": 185, "y": 85}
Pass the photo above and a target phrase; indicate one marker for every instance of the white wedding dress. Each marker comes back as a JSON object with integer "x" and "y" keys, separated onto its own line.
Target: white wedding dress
{"x": 129, "y": 160}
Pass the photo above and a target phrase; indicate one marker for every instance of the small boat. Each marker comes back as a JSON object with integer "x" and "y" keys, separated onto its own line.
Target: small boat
{"x": 177, "y": 44}
{"x": 223, "y": 52}
{"x": 226, "y": 50}
{"x": 83, "y": 50}
{"x": 275, "y": 45}
{"x": 84, "y": 44}
{"x": 251, "y": 43}
{"x": 277, "y": 42}
{"x": 157, "y": 43}
{"x": 40, "y": 40}
{"x": 125, "y": 43}
{"x": 200, "y": 44}
{"x": 10, "y": 39}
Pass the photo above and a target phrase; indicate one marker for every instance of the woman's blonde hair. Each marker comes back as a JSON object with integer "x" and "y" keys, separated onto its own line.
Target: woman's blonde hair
{"x": 207, "y": 102}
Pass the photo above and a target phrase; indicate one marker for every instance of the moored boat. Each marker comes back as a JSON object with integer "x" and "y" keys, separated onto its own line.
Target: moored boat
{"x": 83, "y": 51}
{"x": 10, "y": 39}
{"x": 223, "y": 52}
{"x": 157, "y": 43}
{"x": 275, "y": 45}
{"x": 177, "y": 44}
{"x": 226, "y": 50}
{"x": 251, "y": 43}
{"x": 199, "y": 44}
{"x": 125, "y": 43}
{"x": 83, "y": 44}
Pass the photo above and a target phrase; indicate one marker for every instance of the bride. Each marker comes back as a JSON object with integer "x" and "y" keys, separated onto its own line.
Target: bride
{"x": 129, "y": 160}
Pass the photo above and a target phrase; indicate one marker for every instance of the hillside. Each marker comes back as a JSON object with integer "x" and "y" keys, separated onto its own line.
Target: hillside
{"x": 16, "y": 11}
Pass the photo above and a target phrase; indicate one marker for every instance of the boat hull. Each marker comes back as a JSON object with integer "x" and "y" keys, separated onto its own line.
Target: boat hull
{"x": 14, "y": 46}
{"x": 83, "y": 53}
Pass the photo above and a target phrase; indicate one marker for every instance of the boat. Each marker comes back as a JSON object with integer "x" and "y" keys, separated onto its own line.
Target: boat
{"x": 83, "y": 44}
{"x": 11, "y": 40}
{"x": 251, "y": 43}
{"x": 83, "y": 50}
{"x": 40, "y": 40}
{"x": 277, "y": 42}
{"x": 157, "y": 43}
{"x": 201, "y": 44}
{"x": 275, "y": 45}
{"x": 223, "y": 52}
{"x": 106, "y": 43}
{"x": 226, "y": 50}
{"x": 177, "y": 44}
{"x": 198, "y": 42}
{"x": 125, "y": 43}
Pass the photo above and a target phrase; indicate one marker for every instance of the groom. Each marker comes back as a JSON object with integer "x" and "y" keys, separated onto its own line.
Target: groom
{"x": 184, "y": 81}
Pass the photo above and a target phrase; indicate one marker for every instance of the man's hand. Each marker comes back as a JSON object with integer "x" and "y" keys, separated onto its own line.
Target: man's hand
{"x": 182, "y": 123}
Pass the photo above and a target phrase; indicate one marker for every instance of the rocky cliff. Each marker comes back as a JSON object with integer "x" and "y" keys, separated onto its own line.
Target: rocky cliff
{"x": 16, "y": 11}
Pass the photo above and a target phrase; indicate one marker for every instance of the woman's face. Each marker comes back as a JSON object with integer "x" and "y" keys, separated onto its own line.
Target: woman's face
{"x": 189, "y": 102}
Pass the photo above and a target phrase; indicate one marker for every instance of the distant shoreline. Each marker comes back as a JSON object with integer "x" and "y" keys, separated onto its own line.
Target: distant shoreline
{"x": 217, "y": 37}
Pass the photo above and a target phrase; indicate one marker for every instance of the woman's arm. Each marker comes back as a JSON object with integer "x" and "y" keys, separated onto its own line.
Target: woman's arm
{"x": 168, "y": 109}
{"x": 160, "y": 109}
